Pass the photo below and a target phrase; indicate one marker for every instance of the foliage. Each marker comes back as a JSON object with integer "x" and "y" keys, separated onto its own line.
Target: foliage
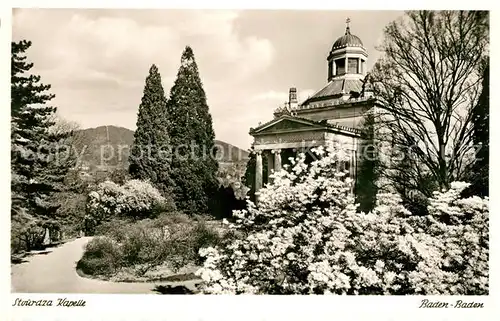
{"x": 194, "y": 166}
{"x": 306, "y": 237}
{"x": 119, "y": 176}
{"x": 232, "y": 175}
{"x": 71, "y": 210}
{"x": 428, "y": 81}
{"x": 147, "y": 159}
{"x": 102, "y": 256}
{"x": 481, "y": 138}
{"x": 116, "y": 143}
{"x": 203, "y": 236}
{"x": 36, "y": 172}
{"x": 231, "y": 194}
{"x": 26, "y": 88}
{"x": 135, "y": 199}
{"x": 114, "y": 228}
{"x": 173, "y": 239}
{"x": 29, "y": 233}
{"x": 367, "y": 175}
{"x": 226, "y": 200}
{"x": 38, "y": 166}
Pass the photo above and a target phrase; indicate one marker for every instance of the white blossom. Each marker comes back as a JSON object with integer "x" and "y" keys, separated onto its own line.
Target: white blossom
{"x": 310, "y": 239}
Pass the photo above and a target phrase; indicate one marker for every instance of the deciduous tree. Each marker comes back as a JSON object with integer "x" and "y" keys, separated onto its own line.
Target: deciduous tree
{"x": 429, "y": 81}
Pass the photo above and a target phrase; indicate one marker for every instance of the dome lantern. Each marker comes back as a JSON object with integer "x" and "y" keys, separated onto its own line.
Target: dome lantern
{"x": 347, "y": 57}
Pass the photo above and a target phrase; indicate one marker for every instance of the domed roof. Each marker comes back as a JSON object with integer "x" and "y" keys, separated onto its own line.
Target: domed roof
{"x": 347, "y": 40}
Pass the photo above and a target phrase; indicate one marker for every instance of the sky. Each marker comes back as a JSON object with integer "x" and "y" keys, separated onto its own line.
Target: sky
{"x": 97, "y": 60}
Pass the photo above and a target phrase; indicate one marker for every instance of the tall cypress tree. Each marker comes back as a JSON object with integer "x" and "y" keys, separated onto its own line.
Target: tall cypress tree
{"x": 194, "y": 167}
{"x": 149, "y": 156}
{"x": 38, "y": 171}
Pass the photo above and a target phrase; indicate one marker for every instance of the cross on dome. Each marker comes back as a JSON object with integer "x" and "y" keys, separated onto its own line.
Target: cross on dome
{"x": 347, "y": 58}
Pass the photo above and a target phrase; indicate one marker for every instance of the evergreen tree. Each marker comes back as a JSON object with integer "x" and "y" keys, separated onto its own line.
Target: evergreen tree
{"x": 149, "y": 156}
{"x": 194, "y": 166}
{"x": 37, "y": 168}
{"x": 26, "y": 89}
{"x": 481, "y": 138}
{"x": 366, "y": 180}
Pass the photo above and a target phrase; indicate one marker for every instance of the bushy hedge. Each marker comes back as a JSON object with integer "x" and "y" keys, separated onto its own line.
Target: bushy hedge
{"x": 27, "y": 235}
{"x": 29, "y": 232}
{"x": 102, "y": 256}
{"x": 305, "y": 236}
{"x": 135, "y": 199}
{"x": 173, "y": 239}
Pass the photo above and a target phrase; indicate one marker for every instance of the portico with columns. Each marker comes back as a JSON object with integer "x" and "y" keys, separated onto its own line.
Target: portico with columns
{"x": 286, "y": 136}
{"x": 334, "y": 114}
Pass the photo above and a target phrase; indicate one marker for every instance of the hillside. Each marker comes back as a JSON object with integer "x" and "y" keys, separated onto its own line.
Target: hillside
{"x": 108, "y": 146}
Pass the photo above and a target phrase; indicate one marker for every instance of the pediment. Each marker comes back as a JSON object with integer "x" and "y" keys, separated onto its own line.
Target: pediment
{"x": 286, "y": 124}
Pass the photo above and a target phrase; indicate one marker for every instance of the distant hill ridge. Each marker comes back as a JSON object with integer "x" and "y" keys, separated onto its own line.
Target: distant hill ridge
{"x": 91, "y": 140}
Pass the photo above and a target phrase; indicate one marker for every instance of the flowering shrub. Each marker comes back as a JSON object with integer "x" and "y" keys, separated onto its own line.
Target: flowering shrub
{"x": 137, "y": 199}
{"x": 306, "y": 237}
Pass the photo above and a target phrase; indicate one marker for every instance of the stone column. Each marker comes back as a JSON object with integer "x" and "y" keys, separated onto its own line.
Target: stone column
{"x": 270, "y": 166}
{"x": 352, "y": 169}
{"x": 353, "y": 164}
{"x": 277, "y": 159}
{"x": 258, "y": 172}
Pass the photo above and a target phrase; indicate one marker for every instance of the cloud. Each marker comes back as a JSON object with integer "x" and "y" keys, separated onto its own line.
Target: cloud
{"x": 97, "y": 60}
{"x": 271, "y": 95}
{"x": 258, "y": 108}
{"x": 121, "y": 45}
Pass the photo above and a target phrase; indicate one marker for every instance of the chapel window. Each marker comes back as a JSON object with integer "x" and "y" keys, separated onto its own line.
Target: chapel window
{"x": 340, "y": 63}
{"x": 353, "y": 64}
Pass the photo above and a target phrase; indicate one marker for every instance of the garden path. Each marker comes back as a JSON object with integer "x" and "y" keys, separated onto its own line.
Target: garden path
{"x": 53, "y": 271}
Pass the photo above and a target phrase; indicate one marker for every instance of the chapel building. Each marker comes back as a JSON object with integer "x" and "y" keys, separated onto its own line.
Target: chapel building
{"x": 333, "y": 114}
